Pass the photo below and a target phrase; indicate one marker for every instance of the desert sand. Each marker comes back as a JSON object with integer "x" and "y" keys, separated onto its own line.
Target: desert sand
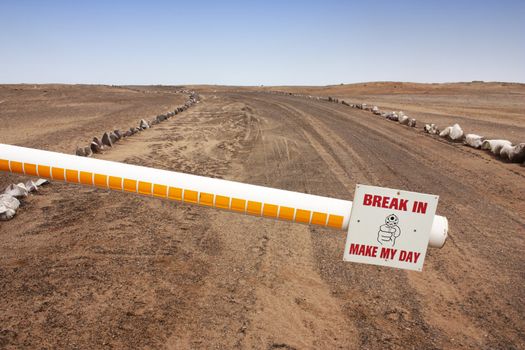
{"x": 87, "y": 268}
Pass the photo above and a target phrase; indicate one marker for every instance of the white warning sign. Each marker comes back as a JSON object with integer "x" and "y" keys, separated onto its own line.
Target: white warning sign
{"x": 390, "y": 227}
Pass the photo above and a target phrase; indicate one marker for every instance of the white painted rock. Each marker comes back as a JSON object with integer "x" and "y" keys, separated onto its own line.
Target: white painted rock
{"x": 41, "y": 182}
{"x": 31, "y": 186}
{"x": 412, "y": 122}
{"x": 453, "y": 132}
{"x": 143, "y": 124}
{"x": 515, "y": 154}
{"x": 505, "y": 151}
{"x": 456, "y": 133}
{"x": 114, "y": 138}
{"x": 118, "y": 133}
{"x": 495, "y": 146}
{"x": 95, "y": 147}
{"x": 80, "y": 152}
{"x": 403, "y": 119}
{"x": 392, "y": 116}
{"x": 18, "y": 190}
{"x": 431, "y": 129}
{"x": 87, "y": 151}
{"x": 8, "y": 207}
{"x": 445, "y": 132}
{"x": 473, "y": 140}
{"x": 518, "y": 156}
{"x": 97, "y": 141}
{"x": 106, "y": 140}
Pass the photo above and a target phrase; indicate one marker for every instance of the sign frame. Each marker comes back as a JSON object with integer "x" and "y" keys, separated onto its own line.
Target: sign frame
{"x": 390, "y": 227}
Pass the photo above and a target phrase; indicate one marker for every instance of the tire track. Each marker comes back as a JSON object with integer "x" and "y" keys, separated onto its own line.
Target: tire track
{"x": 424, "y": 169}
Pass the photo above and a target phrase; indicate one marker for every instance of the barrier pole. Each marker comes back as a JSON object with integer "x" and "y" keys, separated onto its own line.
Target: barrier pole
{"x": 186, "y": 188}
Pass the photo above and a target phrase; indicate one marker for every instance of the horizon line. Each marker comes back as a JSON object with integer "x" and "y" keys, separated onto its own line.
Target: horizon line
{"x": 277, "y": 85}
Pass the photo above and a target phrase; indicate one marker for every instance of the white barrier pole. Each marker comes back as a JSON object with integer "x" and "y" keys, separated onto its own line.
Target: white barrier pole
{"x": 222, "y": 194}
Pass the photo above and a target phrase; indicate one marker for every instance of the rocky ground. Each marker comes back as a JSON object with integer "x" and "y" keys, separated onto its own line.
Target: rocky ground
{"x": 86, "y": 268}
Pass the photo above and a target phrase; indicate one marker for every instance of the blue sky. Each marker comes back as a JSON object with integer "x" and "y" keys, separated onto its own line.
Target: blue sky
{"x": 261, "y": 42}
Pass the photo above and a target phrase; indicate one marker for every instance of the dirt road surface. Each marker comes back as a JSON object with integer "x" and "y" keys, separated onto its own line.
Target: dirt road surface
{"x": 86, "y": 268}
{"x": 494, "y": 110}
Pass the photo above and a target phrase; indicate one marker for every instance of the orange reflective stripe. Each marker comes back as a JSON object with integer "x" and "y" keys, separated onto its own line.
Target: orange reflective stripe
{"x": 30, "y": 169}
{"x": 335, "y": 221}
{"x": 319, "y": 218}
{"x": 254, "y": 208}
{"x": 190, "y": 196}
{"x": 222, "y": 202}
{"x": 286, "y": 213}
{"x": 71, "y": 175}
{"x": 44, "y": 171}
{"x": 86, "y": 178}
{"x": 238, "y": 204}
{"x": 115, "y": 183}
{"x": 4, "y": 165}
{"x": 303, "y": 216}
{"x": 58, "y": 174}
{"x": 160, "y": 190}
{"x": 130, "y": 185}
{"x": 270, "y": 210}
{"x": 175, "y": 193}
{"x": 101, "y": 180}
{"x": 16, "y": 167}
{"x": 206, "y": 199}
{"x": 144, "y": 187}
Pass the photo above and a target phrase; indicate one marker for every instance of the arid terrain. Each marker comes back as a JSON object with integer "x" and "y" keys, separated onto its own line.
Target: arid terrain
{"x": 91, "y": 269}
